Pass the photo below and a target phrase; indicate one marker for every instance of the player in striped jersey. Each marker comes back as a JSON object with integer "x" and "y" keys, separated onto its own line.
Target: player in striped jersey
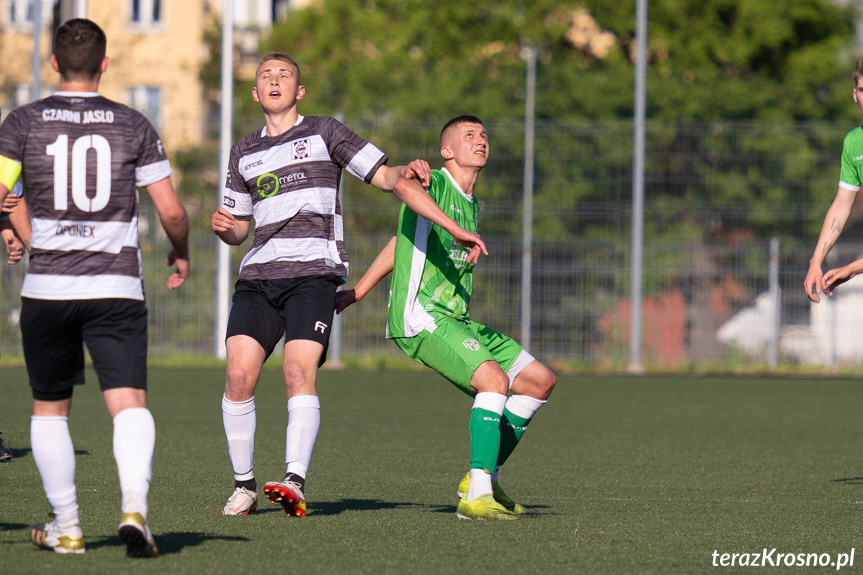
{"x": 428, "y": 318}
{"x": 286, "y": 177}
{"x": 81, "y": 158}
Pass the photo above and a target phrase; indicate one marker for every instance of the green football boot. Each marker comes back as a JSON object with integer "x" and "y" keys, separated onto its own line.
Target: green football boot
{"x": 499, "y": 495}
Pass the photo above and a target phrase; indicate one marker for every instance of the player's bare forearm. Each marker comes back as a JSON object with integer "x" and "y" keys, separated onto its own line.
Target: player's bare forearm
{"x": 834, "y": 222}
{"x": 20, "y": 220}
{"x": 381, "y": 267}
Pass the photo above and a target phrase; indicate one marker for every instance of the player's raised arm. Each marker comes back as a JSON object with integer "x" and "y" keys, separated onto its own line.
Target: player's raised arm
{"x": 378, "y": 270}
{"x": 411, "y": 193}
{"x": 385, "y": 178}
{"x": 175, "y": 221}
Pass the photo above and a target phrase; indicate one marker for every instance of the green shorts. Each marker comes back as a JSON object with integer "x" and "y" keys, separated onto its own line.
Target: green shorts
{"x": 455, "y": 349}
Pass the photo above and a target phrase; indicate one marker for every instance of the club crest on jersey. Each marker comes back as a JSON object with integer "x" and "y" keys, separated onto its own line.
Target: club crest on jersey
{"x": 268, "y": 185}
{"x": 471, "y": 344}
{"x": 301, "y": 149}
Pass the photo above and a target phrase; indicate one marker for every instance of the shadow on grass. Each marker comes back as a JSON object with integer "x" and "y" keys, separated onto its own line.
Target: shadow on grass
{"x": 337, "y": 507}
{"x": 13, "y": 526}
{"x": 169, "y": 543}
{"x": 21, "y": 452}
{"x": 849, "y": 480}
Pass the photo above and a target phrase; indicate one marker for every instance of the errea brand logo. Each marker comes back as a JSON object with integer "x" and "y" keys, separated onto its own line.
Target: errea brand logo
{"x": 858, "y": 158}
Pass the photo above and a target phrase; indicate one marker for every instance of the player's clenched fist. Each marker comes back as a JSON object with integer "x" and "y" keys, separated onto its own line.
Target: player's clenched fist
{"x": 222, "y": 221}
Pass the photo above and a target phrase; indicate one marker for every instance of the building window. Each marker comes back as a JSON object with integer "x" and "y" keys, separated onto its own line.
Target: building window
{"x": 146, "y": 13}
{"x": 20, "y": 14}
{"x": 148, "y": 101}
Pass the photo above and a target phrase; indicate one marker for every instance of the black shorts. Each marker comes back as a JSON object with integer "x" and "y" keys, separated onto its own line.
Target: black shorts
{"x": 298, "y": 308}
{"x": 54, "y": 334}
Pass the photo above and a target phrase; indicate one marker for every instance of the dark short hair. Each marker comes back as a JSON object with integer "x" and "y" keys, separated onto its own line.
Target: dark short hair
{"x": 464, "y": 119}
{"x": 858, "y": 71}
{"x": 79, "y": 46}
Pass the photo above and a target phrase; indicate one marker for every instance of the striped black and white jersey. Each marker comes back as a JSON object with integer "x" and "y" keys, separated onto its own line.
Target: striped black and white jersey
{"x": 81, "y": 159}
{"x": 289, "y": 184}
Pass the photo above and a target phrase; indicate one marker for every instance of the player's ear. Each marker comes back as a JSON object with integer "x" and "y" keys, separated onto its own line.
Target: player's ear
{"x": 446, "y": 152}
{"x": 103, "y": 65}
{"x": 54, "y": 65}
{"x": 853, "y": 93}
{"x": 255, "y": 94}
{"x": 301, "y": 92}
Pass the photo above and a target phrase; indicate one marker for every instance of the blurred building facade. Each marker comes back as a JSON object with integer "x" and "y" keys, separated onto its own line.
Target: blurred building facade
{"x": 156, "y": 50}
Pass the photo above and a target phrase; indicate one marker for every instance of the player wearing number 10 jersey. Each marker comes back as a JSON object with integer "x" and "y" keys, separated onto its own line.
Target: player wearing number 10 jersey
{"x": 85, "y": 155}
{"x": 81, "y": 159}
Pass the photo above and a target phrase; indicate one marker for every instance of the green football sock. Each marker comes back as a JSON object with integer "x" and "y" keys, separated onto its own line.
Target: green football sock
{"x": 512, "y": 427}
{"x": 484, "y": 439}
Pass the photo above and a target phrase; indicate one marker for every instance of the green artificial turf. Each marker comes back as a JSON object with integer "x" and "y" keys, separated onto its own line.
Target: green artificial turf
{"x": 620, "y": 475}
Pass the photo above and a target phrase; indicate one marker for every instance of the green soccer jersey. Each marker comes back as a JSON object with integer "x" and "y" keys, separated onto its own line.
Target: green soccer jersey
{"x": 431, "y": 276}
{"x": 851, "y": 176}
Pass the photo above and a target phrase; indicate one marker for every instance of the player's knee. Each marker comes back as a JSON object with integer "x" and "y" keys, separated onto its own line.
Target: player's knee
{"x": 297, "y": 377}
{"x": 547, "y": 382}
{"x": 491, "y": 382}
{"x": 239, "y": 382}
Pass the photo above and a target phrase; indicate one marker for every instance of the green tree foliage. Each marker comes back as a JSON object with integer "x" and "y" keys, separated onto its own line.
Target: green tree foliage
{"x": 709, "y": 59}
{"x": 395, "y": 67}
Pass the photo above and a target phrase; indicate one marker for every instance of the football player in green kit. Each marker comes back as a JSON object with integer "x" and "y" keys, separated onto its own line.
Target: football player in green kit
{"x": 850, "y": 180}
{"x": 428, "y": 319}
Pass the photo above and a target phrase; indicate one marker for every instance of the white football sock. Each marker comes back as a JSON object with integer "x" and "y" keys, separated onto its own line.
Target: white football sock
{"x": 134, "y": 442}
{"x": 524, "y": 406}
{"x": 304, "y": 421}
{"x": 480, "y": 484}
{"x": 240, "y": 421}
{"x": 54, "y": 455}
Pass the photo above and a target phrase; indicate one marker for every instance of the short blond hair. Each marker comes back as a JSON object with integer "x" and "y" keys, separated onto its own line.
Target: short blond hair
{"x": 281, "y": 57}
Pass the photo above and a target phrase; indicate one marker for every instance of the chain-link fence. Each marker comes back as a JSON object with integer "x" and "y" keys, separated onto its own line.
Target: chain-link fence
{"x": 716, "y": 193}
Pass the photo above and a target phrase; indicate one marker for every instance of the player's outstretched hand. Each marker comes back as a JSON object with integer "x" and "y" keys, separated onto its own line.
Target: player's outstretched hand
{"x": 222, "y": 221}
{"x": 813, "y": 283}
{"x": 472, "y": 241}
{"x": 836, "y": 277}
{"x": 179, "y": 276}
{"x": 419, "y": 170}
{"x": 344, "y": 298}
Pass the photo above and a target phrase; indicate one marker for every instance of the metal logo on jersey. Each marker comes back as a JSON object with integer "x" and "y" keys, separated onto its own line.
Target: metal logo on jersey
{"x": 160, "y": 147}
{"x": 471, "y": 344}
{"x": 268, "y": 185}
{"x": 301, "y": 149}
